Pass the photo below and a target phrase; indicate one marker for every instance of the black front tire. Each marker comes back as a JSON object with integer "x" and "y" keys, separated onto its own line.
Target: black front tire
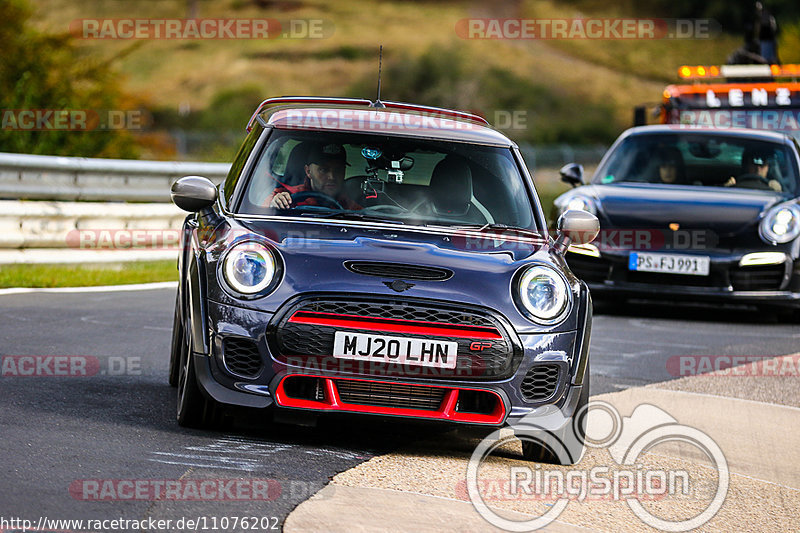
{"x": 194, "y": 409}
{"x": 178, "y": 339}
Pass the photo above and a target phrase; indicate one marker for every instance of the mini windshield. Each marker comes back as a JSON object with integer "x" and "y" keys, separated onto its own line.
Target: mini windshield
{"x": 387, "y": 178}
{"x": 702, "y": 160}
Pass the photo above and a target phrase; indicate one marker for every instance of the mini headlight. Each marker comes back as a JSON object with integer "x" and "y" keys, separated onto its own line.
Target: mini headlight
{"x": 543, "y": 294}
{"x": 249, "y": 267}
{"x": 781, "y": 224}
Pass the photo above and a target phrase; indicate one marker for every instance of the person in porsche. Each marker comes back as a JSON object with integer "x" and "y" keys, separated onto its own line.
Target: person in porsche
{"x": 755, "y": 165}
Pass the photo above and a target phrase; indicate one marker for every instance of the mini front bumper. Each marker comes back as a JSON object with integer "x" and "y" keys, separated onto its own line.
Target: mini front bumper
{"x": 495, "y": 402}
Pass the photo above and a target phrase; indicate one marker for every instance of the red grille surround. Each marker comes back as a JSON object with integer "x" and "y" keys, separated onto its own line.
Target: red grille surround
{"x": 396, "y": 326}
{"x": 447, "y": 410}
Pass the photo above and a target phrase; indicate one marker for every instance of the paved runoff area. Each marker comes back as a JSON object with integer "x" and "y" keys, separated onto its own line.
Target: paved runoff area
{"x": 751, "y": 411}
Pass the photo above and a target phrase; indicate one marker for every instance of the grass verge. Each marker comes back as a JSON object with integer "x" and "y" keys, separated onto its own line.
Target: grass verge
{"x": 87, "y": 275}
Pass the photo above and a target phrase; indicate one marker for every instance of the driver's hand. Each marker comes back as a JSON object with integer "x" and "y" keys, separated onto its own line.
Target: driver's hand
{"x": 775, "y": 185}
{"x": 730, "y": 183}
{"x": 282, "y": 200}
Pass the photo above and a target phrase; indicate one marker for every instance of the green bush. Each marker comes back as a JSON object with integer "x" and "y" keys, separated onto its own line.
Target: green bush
{"x": 47, "y": 72}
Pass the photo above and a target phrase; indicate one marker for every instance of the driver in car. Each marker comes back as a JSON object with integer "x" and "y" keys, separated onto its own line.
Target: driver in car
{"x": 325, "y": 169}
{"x": 756, "y": 165}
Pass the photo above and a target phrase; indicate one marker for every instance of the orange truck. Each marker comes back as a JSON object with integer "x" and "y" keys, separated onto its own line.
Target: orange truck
{"x": 732, "y": 96}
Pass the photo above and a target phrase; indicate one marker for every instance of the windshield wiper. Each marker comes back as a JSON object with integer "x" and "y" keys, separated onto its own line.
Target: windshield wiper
{"x": 498, "y": 227}
{"x": 355, "y": 215}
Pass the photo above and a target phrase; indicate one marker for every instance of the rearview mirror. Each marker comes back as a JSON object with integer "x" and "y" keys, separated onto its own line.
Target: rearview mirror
{"x": 193, "y": 193}
{"x": 406, "y": 163}
{"x": 572, "y": 173}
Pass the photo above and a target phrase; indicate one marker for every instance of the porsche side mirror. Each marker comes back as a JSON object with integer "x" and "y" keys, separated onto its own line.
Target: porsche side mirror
{"x": 576, "y": 226}
{"x": 193, "y": 193}
{"x": 572, "y": 173}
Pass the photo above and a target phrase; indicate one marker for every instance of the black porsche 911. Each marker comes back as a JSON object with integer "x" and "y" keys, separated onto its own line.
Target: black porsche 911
{"x": 692, "y": 213}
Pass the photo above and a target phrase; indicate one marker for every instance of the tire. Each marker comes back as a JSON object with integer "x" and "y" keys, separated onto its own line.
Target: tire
{"x": 178, "y": 339}
{"x": 535, "y": 450}
{"x": 194, "y": 409}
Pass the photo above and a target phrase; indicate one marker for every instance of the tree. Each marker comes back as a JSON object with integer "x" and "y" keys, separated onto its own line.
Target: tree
{"x": 42, "y": 73}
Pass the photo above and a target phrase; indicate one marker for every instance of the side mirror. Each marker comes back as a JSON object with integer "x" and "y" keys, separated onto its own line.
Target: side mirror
{"x": 193, "y": 193}
{"x": 572, "y": 173}
{"x": 576, "y": 226}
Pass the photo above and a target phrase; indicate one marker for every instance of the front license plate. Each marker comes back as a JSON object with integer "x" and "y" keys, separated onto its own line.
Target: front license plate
{"x": 400, "y": 350}
{"x": 693, "y": 265}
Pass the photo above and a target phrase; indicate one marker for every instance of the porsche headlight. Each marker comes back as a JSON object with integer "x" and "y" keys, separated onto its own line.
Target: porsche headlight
{"x": 543, "y": 294}
{"x": 579, "y": 202}
{"x": 782, "y": 224}
{"x": 249, "y": 267}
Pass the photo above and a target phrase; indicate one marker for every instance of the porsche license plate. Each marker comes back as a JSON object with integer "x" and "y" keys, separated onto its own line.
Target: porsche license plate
{"x": 399, "y": 350}
{"x": 692, "y": 265}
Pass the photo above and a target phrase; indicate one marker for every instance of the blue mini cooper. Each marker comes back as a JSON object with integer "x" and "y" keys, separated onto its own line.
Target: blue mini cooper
{"x": 378, "y": 258}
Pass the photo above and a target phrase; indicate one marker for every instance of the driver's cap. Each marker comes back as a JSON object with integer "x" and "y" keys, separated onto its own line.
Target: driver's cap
{"x": 324, "y": 152}
{"x": 755, "y": 157}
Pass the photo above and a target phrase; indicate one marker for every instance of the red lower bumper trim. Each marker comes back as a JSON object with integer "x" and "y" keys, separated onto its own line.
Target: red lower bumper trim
{"x": 447, "y": 410}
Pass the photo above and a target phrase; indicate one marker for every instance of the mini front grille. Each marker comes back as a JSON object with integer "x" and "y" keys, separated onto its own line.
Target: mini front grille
{"x": 396, "y": 309}
{"x": 241, "y": 357}
{"x": 306, "y": 330}
{"x": 540, "y": 383}
{"x": 398, "y": 270}
{"x": 390, "y": 394}
{"x": 757, "y": 278}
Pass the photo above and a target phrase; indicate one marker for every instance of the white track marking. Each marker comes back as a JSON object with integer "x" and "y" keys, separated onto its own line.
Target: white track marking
{"x": 106, "y": 288}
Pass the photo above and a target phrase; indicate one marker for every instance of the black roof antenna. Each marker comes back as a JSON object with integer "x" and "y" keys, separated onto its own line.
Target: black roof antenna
{"x": 377, "y": 102}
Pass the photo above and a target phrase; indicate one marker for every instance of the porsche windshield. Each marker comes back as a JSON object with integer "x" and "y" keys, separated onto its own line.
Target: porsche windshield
{"x": 702, "y": 160}
{"x": 381, "y": 177}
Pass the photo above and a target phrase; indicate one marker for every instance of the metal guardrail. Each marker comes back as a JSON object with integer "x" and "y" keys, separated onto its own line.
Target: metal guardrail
{"x": 78, "y": 201}
{"x": 43, "y": 177}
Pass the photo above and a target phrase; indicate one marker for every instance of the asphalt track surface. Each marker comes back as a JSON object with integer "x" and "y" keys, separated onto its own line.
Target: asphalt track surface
{"x": 119, "y": 424}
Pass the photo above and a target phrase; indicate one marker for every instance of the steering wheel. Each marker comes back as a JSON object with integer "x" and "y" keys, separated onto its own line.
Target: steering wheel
{"x": 324, "y": 199}
{"x": 759, "y": 181}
